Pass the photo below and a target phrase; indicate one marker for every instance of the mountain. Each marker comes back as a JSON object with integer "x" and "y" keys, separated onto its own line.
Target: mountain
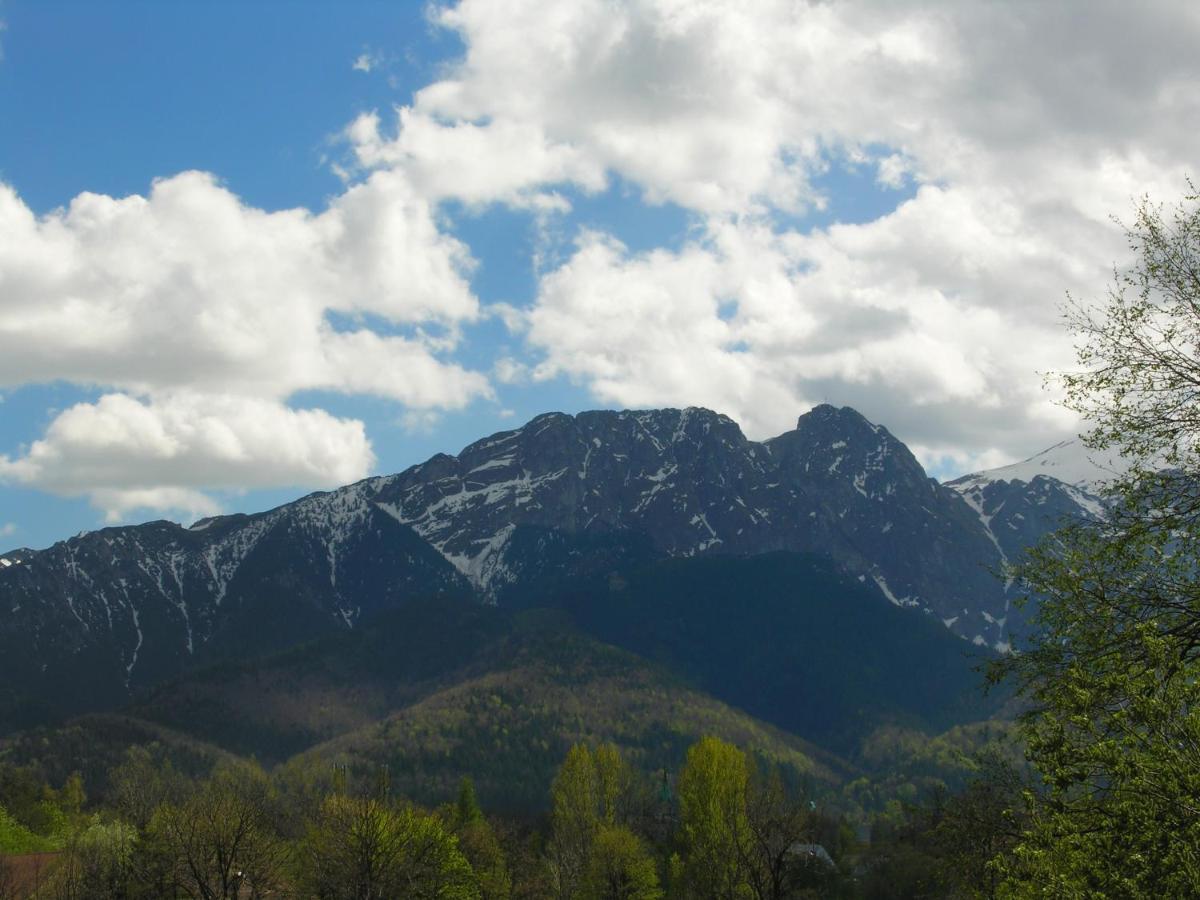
{"x": 767, "y": 634}
{"x": 650, "y": 656}
{"x": 791, "y": 640}
{"x": 510, "y": 728}
{"x": 1019, "y": 503}
{"x": 87, "y": 621}
{"x": 513, "y": 517}
{"x": 440, "y": 689}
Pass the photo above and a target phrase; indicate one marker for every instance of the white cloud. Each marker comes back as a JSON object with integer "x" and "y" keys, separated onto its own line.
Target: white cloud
{"x": 190, "y": 288}
{"x": 498, "y": 161}
{"x": 126, "y": 454}
{"x": 366, "y": 61}
{"x": 420, "y": 421}
{"x": 187, "y": 297}
{"x": 893, "y": 171}
{"x": 720, "y": 107}
{"x": 8, "y": 529}
{"x": 1023, "y": 127}
{"x": 510, "y": 371}
{"x": 934, "y": 336}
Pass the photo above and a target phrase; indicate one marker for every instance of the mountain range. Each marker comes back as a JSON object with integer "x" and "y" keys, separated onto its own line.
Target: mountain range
{"x": 538, "y": 516}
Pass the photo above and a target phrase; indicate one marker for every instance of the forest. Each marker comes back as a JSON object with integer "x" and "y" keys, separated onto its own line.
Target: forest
{"x": 727, "y": 824}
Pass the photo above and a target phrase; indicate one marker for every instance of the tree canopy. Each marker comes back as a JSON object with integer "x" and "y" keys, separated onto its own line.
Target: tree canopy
{"x": 1113, "y": 672}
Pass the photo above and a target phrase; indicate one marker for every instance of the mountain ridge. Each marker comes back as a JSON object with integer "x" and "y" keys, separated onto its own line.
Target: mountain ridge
{"x": 125, "y": 607}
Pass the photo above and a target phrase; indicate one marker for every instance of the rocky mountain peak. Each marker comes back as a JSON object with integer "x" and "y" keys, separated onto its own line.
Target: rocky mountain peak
{"x": 840, "y": 446}
{"x": 561, "y": 494}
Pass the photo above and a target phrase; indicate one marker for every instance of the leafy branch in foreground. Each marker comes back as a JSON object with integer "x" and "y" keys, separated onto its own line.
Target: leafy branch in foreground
{"x": 1113, "y": 673}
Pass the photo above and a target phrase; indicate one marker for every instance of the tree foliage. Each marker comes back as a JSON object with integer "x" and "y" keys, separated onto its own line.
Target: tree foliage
{"x": 713, "y": 823}
{"x": 1138, "y": 351}
{"x": 222, "y": 839}
{"x": 1113, "y": 675}
{"x": 17, "y": 838}
{"x": 619, "y": 867}
{"x": 96, "y": 865}
{"x": 592, "y": 789}
{"x": 478, "y": 842}
{"x": 363, "y": 848}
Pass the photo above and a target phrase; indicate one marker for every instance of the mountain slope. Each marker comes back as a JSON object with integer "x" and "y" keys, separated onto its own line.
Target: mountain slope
{"x": 280, "y": 704}
{"x": 1070, "y": 462}
{"x": 92, "y": 618}
{"x": 1020, "y": 503}
{"x": 509, "y": 727}
{"x": 782, "y": 636}
{"x": 789, "y": 639}
{"x": 560, "y": 498}
{"x": 441, "y": 689}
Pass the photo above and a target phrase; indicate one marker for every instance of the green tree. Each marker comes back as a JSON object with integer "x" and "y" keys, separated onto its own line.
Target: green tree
{"x": 362, "y": 848}
{"x": 1138, "y": 350}
{"x": 466, "y": 809}
{"x": 72, "y": 797}
{"x": 945, "y": 846}
{"x": 619, "y": 868}
{"x": 144, "y": 780}
{"x": 222, "y": 840}
{"x": 15, "y": 838}
{"x": 23, "y": 792}
{"x": 777, "y": 820}
{"x": 714, "y": 828}
{"x": 590, "y": 790}
{"x": 478, "y": 842}
{"x": 97, "y": 864}
{"x": 1113, "y": 673}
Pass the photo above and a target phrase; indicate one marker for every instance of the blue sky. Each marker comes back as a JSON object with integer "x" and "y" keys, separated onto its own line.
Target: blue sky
{"x": 498, "y": 209}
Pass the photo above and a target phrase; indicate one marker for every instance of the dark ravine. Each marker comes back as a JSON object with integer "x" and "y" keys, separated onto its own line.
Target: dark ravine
{"x": 90, "y": 620}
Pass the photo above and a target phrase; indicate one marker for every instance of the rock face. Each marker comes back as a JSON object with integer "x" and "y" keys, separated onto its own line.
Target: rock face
{"x": 129, "y": 606}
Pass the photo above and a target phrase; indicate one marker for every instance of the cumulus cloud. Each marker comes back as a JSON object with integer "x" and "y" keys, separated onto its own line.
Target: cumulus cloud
{"x": 719, "y": 107}
{"x": 936, "y": 338}
{"x": 1022, "y": 128}
{"x": 1014, "y": 130}
{"x": 125, "y": 454}
{"x": 192, "y": 304}
{"x": 189, "y": 287}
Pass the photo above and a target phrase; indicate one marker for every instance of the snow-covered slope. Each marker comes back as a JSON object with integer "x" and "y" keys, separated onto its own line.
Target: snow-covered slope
{"x": 1019, "y": 503}
{"x": 1067, "y": 461}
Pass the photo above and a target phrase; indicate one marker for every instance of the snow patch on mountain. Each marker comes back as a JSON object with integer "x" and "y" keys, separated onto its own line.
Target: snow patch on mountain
{"x": 1067, "y": 461}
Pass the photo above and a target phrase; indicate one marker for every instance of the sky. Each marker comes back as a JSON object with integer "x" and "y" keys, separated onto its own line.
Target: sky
{"x": 253, "y": 249}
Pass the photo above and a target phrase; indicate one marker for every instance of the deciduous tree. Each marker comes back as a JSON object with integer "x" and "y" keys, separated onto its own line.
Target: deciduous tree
{"x": 590, "y": 790}
{"x": 619, "y": 868}
{"x": 1113, "y": 675}
{"x": 222, "y": 840}
{"x": 362, "y": 848}
{"x": 714, "y": 828}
